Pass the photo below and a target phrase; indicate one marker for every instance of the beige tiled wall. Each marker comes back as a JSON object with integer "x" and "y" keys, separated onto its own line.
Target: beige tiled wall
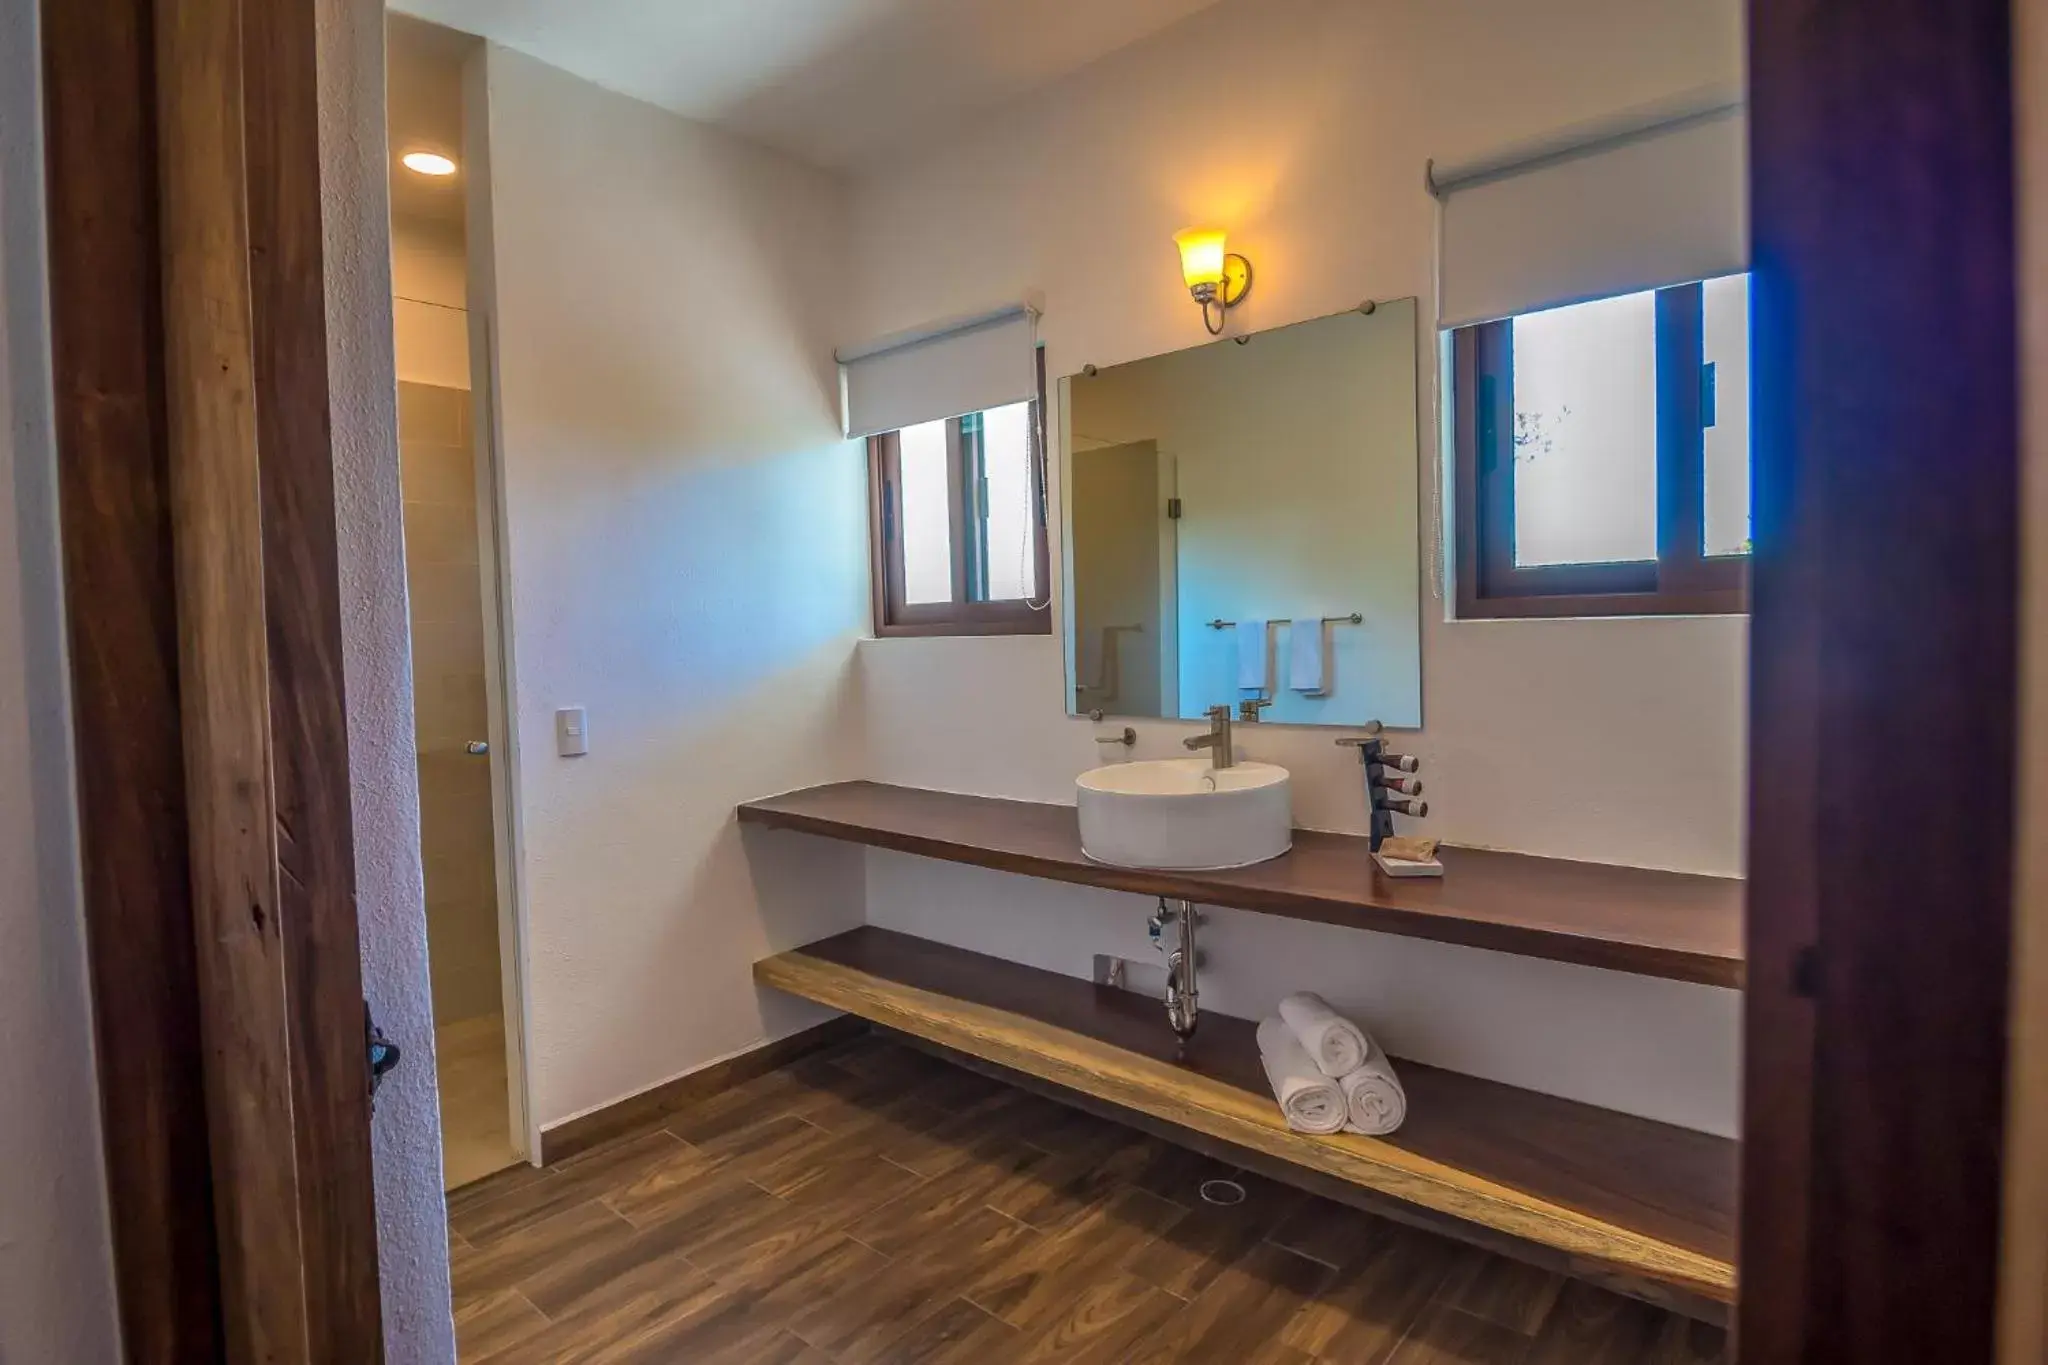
{"x": 437, "y": 466}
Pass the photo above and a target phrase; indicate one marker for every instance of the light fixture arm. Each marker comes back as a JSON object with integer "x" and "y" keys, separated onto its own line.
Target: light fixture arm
{"x": 1217, "y": 302}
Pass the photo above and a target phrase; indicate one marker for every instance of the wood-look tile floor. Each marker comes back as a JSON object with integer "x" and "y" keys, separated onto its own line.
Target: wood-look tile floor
{"x": 875, "y": 1206}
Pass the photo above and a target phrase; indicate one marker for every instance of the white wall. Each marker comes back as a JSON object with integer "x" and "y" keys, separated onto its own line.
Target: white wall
{"x": 56, "y": 1260}
{"x": 1616, "y": 740}
{"x": 412, "y": 1227}
{"x": 686, "y": 539}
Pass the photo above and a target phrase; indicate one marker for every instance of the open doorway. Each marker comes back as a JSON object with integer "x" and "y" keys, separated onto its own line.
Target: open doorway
{"x": 451, "y": 575}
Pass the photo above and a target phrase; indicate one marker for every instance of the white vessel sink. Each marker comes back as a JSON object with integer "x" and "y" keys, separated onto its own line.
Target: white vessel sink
{"x": 1180, "y": 814}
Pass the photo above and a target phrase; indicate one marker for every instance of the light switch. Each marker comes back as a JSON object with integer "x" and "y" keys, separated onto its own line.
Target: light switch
{"x": 572, "y": 732}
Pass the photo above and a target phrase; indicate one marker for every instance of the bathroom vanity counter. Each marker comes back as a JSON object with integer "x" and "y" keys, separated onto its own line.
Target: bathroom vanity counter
{"x": 1667, "y": 924}
{"x": 1646, "y": 1206}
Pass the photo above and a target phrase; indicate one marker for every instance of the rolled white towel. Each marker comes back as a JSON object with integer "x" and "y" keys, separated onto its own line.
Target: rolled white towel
{"x": 1311, "y": 1101}
{"x": 1337, "y": 1045}
{"x": 1375, "y": 1103}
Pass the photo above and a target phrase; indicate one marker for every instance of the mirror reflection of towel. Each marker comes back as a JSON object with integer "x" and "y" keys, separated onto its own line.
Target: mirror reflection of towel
{"x": 1308, "y": 657}
{"x": 1254, "y": 663}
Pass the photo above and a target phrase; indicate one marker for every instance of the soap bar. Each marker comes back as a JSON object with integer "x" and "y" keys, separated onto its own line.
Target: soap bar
{"x": 1408, "y": 849}
{"x": 1404, "y": 867}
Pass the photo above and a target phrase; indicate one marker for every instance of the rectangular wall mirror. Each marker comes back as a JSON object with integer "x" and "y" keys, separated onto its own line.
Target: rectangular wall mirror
{"x": 1241, "y": 525}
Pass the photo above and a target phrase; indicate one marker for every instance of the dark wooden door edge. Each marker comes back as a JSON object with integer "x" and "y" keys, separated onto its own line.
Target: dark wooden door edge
{"x": 195, "y": 474}
{"x": 580, "y": 1134}
{"x": 1885, "y": 596}
{"x": 313, "y": 846}
{"x": 217, "y": 536}
{"x": 100, "y": 152}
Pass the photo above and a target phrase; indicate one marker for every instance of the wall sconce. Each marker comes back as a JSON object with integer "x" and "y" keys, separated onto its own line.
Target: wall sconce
{"x": 1217, "y": 278}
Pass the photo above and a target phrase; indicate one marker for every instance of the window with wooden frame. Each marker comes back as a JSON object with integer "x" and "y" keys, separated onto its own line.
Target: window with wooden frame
{"x": 1602, "y": 457}
{"x": 957, "y": 524}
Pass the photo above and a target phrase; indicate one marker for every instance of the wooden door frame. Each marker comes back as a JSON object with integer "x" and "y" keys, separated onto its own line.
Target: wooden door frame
{"x": 197, "y": 512}
{"x": 1883, "y": 639}
{"x": 2023, "y": 1318}
{"x": 106, "y": 316}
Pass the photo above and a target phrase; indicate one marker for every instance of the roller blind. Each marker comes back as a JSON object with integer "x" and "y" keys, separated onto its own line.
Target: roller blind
{"x": 1609, "y": 212}
{"x": 966, "y": 365}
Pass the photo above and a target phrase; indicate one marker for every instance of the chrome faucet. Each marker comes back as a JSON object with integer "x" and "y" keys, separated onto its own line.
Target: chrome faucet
{"x": 1217, "y": 741}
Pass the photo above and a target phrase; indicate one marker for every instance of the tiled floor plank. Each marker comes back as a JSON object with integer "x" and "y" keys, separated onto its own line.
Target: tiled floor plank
{"x": 1060, "y": 1193}
{"x": 1241, "y": 1315}
{"x": 958, "y": 1333}
{"x": 1334, "y": 1234}
{"x": 582, "y": 1230}
{"x": 617, "y": 1332}
{"x": 1040, "y": 1280}
{"x": 573, "y": 1182}
{"x": 923, "y": 1214}
{"x": 1589, "y": 1326}
{"x": 1683, "y": 1342}
{"x": 1365, "y": 1311}
{"x": 1187, "y": 1258}
{"x": 1105, "y": 1324}
{"x": 1444, "y": 1335}
{"x": 1516, "y": 1295}
{"x": 650, "y": 1262}
{"x": 864, "y": 1322}
{"x": 874, "y": 1205}
{"x": 495, "y": 1321}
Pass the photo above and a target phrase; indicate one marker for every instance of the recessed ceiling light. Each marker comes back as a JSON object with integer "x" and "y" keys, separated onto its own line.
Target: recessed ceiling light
{"x": 428, "y": 163}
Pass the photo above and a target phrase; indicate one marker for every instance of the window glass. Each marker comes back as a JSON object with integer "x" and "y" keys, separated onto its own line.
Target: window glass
{"x": 1585, "y": 432}
{"x": 1008, "y": 539}
{"x": 1724, "y": 313}
{"x": 927, "y": 530}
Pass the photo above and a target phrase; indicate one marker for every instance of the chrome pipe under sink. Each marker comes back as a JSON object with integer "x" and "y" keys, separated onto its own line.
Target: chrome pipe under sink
{"x": 1183, "y": 1009}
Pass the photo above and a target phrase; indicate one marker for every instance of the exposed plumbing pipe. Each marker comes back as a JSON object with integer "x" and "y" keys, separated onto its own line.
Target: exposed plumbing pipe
{"x": 1183, "y": 1010}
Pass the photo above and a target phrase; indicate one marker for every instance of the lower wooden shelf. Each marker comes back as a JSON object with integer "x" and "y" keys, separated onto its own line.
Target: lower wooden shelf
{"x": 1608, "y": 1191}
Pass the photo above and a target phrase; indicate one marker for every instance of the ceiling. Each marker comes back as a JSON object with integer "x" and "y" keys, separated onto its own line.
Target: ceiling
{"x": 423, "y": 111}
{"x": 839, "y": 83}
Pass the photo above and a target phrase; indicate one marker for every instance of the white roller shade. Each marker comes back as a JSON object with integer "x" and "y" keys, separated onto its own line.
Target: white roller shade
{"x": 968, "y": 365}
{"x": 1620, "y": 211}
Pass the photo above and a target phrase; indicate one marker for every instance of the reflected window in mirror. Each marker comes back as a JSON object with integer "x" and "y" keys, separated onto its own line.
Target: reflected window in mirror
{"x": 958, "y": 525}
{"x": 1603, "y": 456}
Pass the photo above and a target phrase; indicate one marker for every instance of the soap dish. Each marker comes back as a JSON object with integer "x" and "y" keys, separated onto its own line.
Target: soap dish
{"x": 1402, "y": 867}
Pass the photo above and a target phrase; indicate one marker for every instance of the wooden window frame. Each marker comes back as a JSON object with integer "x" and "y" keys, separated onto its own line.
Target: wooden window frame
{"x": 894, "y": 616}
{"x": 1681, "y": 581}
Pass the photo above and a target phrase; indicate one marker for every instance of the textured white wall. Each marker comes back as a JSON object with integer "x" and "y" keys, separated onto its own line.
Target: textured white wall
{"x": 56, "y": 1260}
{"x": 412, "y": 1227}
{"x": 686, "y": 534}
{"x": 1617, "y": 741}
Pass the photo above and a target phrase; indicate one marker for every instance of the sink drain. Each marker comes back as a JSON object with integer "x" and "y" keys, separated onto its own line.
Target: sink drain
{"x": 1224, "y": 1192}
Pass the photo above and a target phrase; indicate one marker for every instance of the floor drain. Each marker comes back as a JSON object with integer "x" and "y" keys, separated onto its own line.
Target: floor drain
{"x": 1224, "y": 1192}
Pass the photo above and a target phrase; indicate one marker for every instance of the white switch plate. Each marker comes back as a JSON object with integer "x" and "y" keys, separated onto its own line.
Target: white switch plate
{"x": 572, "y": 732}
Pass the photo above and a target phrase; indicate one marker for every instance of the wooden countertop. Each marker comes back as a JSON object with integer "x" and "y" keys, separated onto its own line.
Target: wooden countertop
{"x": 1666, "y": 924}
{"x": 1608, "y": 1189}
